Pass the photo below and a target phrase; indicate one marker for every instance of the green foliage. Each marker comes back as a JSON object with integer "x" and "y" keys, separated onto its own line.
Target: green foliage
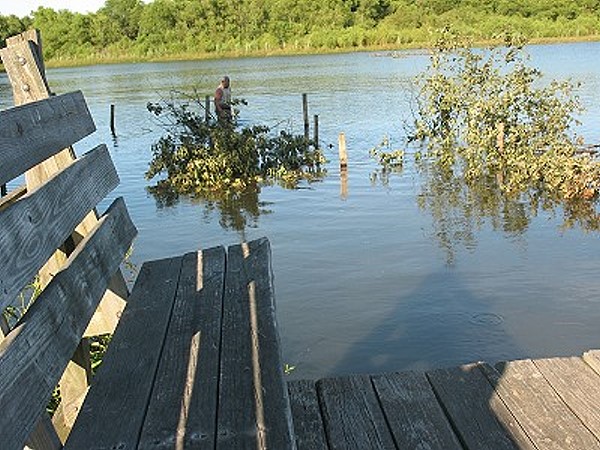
{"x": 484, "y": 115}
{"x": 203, "y": 158}
{"x": 497, "y": 144}
{"x": 12, "y": 314}
{"x": 163, "y": 28}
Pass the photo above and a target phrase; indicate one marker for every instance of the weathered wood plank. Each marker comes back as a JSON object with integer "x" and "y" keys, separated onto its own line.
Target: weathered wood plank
{"x": 592, "y": 359}
{"x": 577, "y": 385}
{"x": 73, "y": 389}
{"x": 122, "y": 386}
{"x": 23, "y": 64}
{"x": 183, "y": 406}
{"x": 548, "y": 422}
{"x": 36, "y": 225}
{"x": 44, "y": 435}
{"x": 413, "y": 413}
{"x": 306, "y": 412}
{"x": 35, "y": 37}
{"x": 254, "y": 409}
{"x": 477, "y": 414}
{"x": 31, "y": 133}
{"x": 352, "y": 416}
{"x": 36, "y": 351}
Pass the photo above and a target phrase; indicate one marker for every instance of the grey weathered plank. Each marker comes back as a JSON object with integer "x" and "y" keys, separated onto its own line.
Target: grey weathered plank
{"x": 44, "y": 435}
{"x": 578, "y": 386}
{"x": 352, "y": 416}
{"x": 31, "y": 133}
{"x": 477, "y": 414}
{"x": 113, "y": 412}
{"x": 36, "y": 225}
{"x": 36, "y": 351}
{"x": 306, "y": 412}
{"x": 183, "y": 405}
{"x": 254, "y": 407}
{"x": 548, "y": 422}
{"x": 413, "y": 413}
{"x": 592, "y": 359}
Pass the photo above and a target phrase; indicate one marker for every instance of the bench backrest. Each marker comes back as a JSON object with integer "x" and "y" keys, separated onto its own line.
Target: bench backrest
{"x": 34, "y": 223}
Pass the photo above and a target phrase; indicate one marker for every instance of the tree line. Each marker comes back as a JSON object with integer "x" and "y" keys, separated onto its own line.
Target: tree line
{"x": 176, "y": 28}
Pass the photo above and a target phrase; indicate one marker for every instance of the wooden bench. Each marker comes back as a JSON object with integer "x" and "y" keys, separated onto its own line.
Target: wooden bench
{"x": 194, "y": 361}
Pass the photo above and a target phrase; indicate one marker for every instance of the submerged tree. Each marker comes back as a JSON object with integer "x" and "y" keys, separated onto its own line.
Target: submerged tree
{"x": 199, "y": 156}
{"x": 497, "y": 145}
{"x": 222, "y": 164}
{"x": 483, "y": 114}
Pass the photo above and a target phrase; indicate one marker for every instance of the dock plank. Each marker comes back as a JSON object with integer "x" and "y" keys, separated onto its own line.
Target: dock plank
{"x": 306, "y": 412}
{"x": 592, "y": 359}
{"x": 183, "y": 405}
{"x": 578, "y": 386}
{"x": 546, "y": 419}
{"x": 413, "y": 412}
{"x": 478, "y": 415}
{"x": 254, "y": 410}
{"x": 121, "y": 390}
{"x": 352, "y": 416}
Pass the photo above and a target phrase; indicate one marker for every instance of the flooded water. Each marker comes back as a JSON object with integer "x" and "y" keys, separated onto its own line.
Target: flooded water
{"x": 366, "y": 280}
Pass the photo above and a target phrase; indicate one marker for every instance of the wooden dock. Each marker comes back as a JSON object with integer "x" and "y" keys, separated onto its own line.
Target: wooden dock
{"x": 195, "y": 360}
{"x": 541, "y": 404}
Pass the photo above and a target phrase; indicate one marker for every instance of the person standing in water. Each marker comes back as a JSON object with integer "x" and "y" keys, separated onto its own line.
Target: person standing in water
{"x": 223, "y": 100}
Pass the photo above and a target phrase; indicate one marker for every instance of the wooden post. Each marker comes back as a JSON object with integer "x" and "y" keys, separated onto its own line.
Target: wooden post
{"x": 305, "y": 115}
{"x": 344, "y": 183}
{"x": 316, "y": 130}
{"x": 342, "y": 151}
{"x": 112, "y": 120}
{"x": 207, "y": 108}
{"x": 24, "y": 66}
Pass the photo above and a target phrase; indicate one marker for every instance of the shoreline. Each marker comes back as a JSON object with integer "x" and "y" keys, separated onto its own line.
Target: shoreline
{"x": 131, "y": 59}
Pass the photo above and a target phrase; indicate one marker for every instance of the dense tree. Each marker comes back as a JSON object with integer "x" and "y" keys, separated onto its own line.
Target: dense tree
{"x": 126, "y": 28}
{"x": 11, "y": 25}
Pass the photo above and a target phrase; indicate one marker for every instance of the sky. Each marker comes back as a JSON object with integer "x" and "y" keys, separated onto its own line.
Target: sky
{"x": 21, "y": 8}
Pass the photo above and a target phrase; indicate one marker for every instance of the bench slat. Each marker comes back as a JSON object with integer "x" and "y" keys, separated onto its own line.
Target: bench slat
{"x": 415, "y": 417}
{"x": 352, "y": 414}
{"x": 254, "y": 410}
{"x": 34, "y": 132}
{"x": 308, "y": 423}
{"x": 34, "y": 355}
{"x": 182, "y": 410}
{"x": 113, "y": 413}
{"x": 478, "y": 415}
{"x": 35, "y": 226}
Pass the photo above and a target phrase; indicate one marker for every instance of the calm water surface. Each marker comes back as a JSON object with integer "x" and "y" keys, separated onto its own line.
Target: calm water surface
{"x": 362, "y": 281}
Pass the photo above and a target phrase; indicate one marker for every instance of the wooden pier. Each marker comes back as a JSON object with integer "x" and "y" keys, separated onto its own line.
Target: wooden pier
{"x": 195, "y": 361}
{"x": 539, "y": 404}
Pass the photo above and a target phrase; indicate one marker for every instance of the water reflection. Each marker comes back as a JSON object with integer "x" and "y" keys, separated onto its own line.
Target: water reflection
{"x": 460, "y": 209}
{"x": 236, "y": 210}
